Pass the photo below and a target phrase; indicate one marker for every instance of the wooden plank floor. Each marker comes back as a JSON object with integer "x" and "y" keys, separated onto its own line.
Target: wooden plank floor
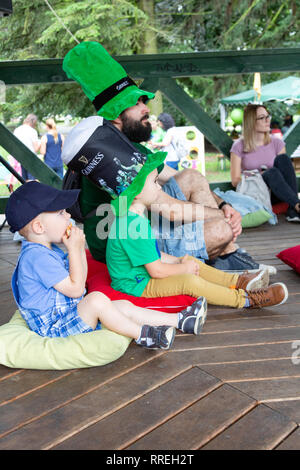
{"x": 233, "y": 387}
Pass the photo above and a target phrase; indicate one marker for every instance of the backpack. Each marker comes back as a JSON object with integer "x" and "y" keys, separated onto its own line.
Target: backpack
{"x": 252, "y": 184}
{"x": 71, "y": 180}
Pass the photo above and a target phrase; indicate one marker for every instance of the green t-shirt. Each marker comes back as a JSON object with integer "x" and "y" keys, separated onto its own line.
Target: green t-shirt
{"x": 158, "y": 135}
{"x": 91, "y": 196}
{"x": 131, "y": 245}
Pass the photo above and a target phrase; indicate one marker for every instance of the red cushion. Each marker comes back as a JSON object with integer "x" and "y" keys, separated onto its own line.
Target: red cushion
{"x": 291, "y": 257}
{"x": 280, "y": 208}
{"x": 98, "y": 279}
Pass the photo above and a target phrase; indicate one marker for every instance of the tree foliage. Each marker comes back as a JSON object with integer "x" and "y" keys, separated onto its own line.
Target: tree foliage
{"x": 127, "y": 27}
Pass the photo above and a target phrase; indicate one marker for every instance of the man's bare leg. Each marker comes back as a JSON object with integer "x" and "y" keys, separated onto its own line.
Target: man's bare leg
{"x": 195, "y": 187}
{"x": 217, "y": 237}
{"x": 217, "y": 232}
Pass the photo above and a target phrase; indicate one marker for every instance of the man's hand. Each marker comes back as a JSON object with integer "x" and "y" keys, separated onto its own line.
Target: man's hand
{"x": 234, "y": 219}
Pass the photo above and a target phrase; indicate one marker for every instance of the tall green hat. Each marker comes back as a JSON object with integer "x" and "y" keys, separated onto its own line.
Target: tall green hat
{"x": 103, "y": 79}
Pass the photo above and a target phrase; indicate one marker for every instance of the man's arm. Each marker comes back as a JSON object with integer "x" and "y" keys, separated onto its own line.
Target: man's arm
{"x": 187, "y": 212}
{"x": 166, "y": 174}
{"x": 177, "y": 210}
{"x": 36, "y": 146}
{"x": 182, "y": 211}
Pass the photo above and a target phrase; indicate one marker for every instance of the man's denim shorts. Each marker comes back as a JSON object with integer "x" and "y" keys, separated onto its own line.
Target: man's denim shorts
{"x": 183, "y": 239}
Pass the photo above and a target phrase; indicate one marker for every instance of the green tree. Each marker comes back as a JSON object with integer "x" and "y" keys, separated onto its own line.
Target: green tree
{"x": 127, "y": 27}
{"x": 198, "y": 25}
{"x": 33, "y": 31}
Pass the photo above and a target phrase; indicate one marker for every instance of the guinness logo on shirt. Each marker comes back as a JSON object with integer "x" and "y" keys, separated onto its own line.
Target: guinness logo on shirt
{"x": 83, "y": 159}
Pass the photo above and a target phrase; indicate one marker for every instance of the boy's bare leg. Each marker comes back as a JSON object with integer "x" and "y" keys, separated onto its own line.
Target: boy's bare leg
{"x": 120, "y": 316}
{"x": 145, "y": 316}
{"x": 217, "y": 237}
{"x": 218, "y": 234}
{"x": 97, "y": 307}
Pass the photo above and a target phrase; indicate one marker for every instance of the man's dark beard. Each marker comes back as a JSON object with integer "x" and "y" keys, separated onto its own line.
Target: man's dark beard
{"x": 136, "y": 131}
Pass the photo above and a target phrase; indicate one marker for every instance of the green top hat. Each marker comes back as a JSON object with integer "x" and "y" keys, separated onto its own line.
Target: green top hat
{"x": 103, "y": 79}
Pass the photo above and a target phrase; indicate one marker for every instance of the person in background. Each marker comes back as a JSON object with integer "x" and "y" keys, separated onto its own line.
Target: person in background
{"x": 275, "y": 130}
{"x": 51, "y": 147}
{"x": 28, "y": 135}
{"x": 288, "y": 121}
{"x": 168, "y": 144}
{"x": 257, "y": 149}
{"x": 157, "y": 134}
{"x": 17, "y": 167}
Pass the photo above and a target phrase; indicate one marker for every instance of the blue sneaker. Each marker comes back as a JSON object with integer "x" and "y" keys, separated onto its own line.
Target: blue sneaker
{"x": 156, "y": 337}
{"x": 266, "y": 267}
{"x": 192, "y": 319}
{"x": 238, "y": 262}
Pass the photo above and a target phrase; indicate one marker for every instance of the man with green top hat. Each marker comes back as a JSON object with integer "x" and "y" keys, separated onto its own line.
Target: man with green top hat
{"x": 107, "y": 150}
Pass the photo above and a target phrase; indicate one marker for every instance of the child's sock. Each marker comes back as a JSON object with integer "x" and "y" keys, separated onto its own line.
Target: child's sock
{"x": 179, "y": 318}
{"x": 247, "y": 301}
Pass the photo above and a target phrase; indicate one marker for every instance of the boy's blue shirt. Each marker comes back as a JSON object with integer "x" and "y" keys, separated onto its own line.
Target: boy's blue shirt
{"x": 38, "y": 270}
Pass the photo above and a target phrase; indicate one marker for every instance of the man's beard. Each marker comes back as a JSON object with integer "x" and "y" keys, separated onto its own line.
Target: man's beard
{"x": 136, "y": 131}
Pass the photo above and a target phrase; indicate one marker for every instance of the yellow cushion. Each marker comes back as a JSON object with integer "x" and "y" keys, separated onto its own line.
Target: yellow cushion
{"x": 22, "y": 348}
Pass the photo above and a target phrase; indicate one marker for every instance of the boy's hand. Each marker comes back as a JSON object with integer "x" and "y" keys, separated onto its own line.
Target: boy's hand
{"x": 192, "y": 267}
{"x": 74, "y": 239}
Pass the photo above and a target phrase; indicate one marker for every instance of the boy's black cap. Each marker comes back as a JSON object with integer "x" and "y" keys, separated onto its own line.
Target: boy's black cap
{"x": 33, "y": 198}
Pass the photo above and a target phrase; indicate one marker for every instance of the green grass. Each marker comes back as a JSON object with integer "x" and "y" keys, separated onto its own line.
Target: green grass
{"x": 214, "y": 171}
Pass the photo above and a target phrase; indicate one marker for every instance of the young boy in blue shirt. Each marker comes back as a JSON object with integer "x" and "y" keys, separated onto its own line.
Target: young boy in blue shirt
{"x": 49, "y": 285}
{"x": 137, "y": 267}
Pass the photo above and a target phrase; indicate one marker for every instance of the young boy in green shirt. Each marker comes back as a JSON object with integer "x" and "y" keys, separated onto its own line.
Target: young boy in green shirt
{"x": 138, "y": 268}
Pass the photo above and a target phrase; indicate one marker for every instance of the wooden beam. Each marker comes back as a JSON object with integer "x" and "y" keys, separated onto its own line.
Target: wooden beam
{"x": 28, "y": 159}
{"x": 163, "y": 65}
{"x": 3, "y": 202}
{"x": 196, "y": 115}
{"x": 150, "y": 84}
{"x": 292, "y": 138}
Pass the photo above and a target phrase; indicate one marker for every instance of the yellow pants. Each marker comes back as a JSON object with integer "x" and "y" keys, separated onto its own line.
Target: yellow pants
{"x": 215, "y": 285}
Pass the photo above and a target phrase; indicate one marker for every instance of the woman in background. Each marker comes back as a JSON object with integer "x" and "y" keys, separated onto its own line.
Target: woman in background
{"x": 257, "y": 149}
{"x": 169, "y": 141}
{"x": 51, "y": 146}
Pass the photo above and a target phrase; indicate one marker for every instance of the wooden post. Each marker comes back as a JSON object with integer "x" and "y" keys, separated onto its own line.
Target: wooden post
{"x": 28, "y": 159}
{"x": 196, "y": 115}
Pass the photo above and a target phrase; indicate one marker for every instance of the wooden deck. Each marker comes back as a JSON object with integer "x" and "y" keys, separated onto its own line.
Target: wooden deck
{"x": 233, "y": 387}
